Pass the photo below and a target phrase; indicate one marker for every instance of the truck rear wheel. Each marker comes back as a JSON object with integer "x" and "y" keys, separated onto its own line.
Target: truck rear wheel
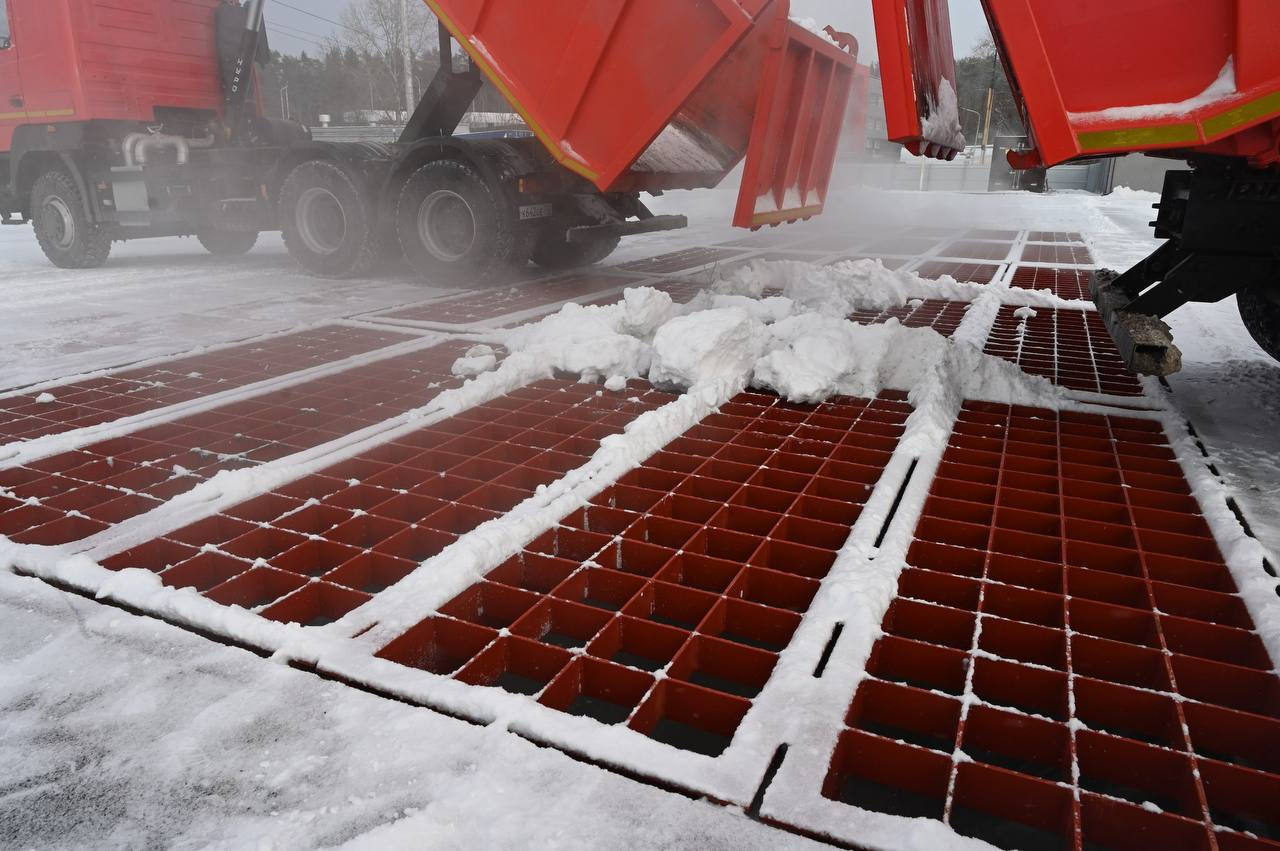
{"x": 553, "y": 251}
{"x": 455, "y": 228}
{"x": 228, "y": 243}
{"x": 327, "y": 221}
{"x": 63, "y": 229}
{"x": 1260, "y": 311}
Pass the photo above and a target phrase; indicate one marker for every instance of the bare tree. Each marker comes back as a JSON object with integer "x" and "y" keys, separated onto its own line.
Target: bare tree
{"x": 373, "y": 28}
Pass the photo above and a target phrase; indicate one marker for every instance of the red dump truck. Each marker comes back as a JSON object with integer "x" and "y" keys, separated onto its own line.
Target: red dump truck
{"x": 1193, "y": 80}
{"x": 123, "y": 119}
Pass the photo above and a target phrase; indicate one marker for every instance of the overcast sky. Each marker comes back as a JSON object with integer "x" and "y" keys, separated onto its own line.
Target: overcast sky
{"x": 294, "y": 31}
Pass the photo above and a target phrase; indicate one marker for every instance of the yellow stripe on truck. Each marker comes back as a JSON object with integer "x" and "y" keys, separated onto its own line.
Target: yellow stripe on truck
{"x": 47, "y": 113}
{"x": 1184, "y": 133}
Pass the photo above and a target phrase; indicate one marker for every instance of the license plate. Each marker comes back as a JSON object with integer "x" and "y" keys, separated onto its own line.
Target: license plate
{"x": 535, "y": 211}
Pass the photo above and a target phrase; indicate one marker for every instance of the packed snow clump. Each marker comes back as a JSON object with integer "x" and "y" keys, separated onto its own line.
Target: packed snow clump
{"x": 943, "y": 124}
{"x": 46, "y": 399}
{"x": 706, "y": 345}
{"x": 477, "y": 360}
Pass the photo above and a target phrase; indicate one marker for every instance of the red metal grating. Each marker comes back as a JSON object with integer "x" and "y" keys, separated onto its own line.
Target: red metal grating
{"x": 942, "y": 316}
{"x": 135, "y": 391}
{"x": 990, "y": 233}
{"x": 1064, "y": 283}
{"x": 681, "y": 261}
{"x": 909, "y": 246}
{"x": 1050, "y": 253}
{"x": 698, "y": 564}
{"x": 492, "y": 303}
{"x": 83, "y": 492}
{"x": 1069, "y": 347}
{"x": 1067, "y": 624}
{"x": 1054, "y": 236}
{"x": 977, "y": 273}
{"x": 978, "y": 249}
{"x": 319, "y": 547}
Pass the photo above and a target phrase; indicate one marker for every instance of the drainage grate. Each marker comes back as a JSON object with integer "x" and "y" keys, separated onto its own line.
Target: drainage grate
{"x": 1067, "y": 663}
{"x": 493, "y": 303}
{"x": 1057, "y": 253}
{"x": 977, "y": 273}
{"x": 82, "y": 492}
{"x": 987, "y": 233}
{"x": 942, "y": 316}
{"x": 136, "y": 391}
{"x": 978, "y": 250}
{"x": 1064, "y": 283}
{"x": 697, "y": 564}
{"x": 681, "y": 261}
{"x": 1069, "y": 347}
{"x": 906, "y": 246}
{"x": 319, "y": 547}
{"x": 1054, "y": 236}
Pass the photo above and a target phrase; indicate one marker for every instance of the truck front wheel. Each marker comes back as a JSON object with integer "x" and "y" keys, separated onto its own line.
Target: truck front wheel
{"x": 1260, "y": 310}
{"x": 227, "y": 243}
{"x": 455, "y": 228}
{"x": 63, "y": 229}
{"x": 327, "y": 221}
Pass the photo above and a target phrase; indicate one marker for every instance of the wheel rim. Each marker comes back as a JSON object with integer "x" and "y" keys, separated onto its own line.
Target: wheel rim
{"x": 59, "y": 224}
{"x": 446, "y": 225}
{"x": 322, "y": 223}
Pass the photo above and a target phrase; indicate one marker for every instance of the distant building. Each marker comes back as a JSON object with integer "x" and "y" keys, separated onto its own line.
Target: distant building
{"x": 866, "y": 133}
{"x": 876, "y": 144}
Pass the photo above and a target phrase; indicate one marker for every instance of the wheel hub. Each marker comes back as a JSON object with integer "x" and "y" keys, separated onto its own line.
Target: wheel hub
{"x": 59, "y": 224}
{"x": 322, "y": 223}
{"x": 446, "y": 225}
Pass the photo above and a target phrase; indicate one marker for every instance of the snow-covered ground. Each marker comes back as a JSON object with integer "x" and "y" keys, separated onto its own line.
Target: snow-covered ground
{"x": 121, "y": 731}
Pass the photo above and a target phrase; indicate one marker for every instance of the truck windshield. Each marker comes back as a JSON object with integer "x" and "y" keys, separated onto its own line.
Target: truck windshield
{"x": 5, "y": 40}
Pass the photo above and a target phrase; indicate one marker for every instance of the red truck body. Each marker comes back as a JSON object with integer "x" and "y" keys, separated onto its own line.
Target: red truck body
{"x": 80, "y": 60}
{"x": 661, "y": 94}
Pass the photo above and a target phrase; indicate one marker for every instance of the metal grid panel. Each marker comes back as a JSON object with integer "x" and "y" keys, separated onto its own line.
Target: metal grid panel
{"x": 1069, "y": 347}
{"x": 1067, "y": 663}
{"x": 978, "y": 249}
{"x": 502, "y": 301}
{"x": 136, "y": 391}
{"x": 317, "y": 548}
{"x": 1054, "y": 236}
{"x": 699, "y": 564}
{"x": 681, "y": 261}
{"x": 83, "y": 492}
{"x": 942, "y": 316}
{"x": 976, "y": 273}
{"x": 1064, "y": 283}
{"x": 1054, "y": 253}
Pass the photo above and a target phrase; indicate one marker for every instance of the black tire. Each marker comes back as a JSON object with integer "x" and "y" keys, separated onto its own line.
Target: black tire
{"x": 327, "y": 221}
{"x": 552, "y": 251}
{"x": 65, "y": 234}
{"x": 228, "y": 243}
{"x": 1260, "y": 310}
{"x": 456, "y": 229}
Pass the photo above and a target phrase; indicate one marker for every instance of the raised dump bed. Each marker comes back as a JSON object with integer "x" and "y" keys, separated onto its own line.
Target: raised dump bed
{"x": 667, "y": 94}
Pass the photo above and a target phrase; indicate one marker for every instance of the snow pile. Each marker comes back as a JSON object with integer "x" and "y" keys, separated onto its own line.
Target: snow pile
{"x": 1221, "y": 89}
{"x": 814, "y": 27}
{"x": 942, "y": 127}
{"x": 800, "y": 345}
{"x": 706, "y": 345}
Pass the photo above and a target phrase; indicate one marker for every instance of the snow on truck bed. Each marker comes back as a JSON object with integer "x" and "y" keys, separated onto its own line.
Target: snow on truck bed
{"x": 860, "y": 528}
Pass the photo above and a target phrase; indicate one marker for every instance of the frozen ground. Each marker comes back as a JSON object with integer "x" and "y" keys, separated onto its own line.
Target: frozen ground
{"x": 120, "y": 731}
